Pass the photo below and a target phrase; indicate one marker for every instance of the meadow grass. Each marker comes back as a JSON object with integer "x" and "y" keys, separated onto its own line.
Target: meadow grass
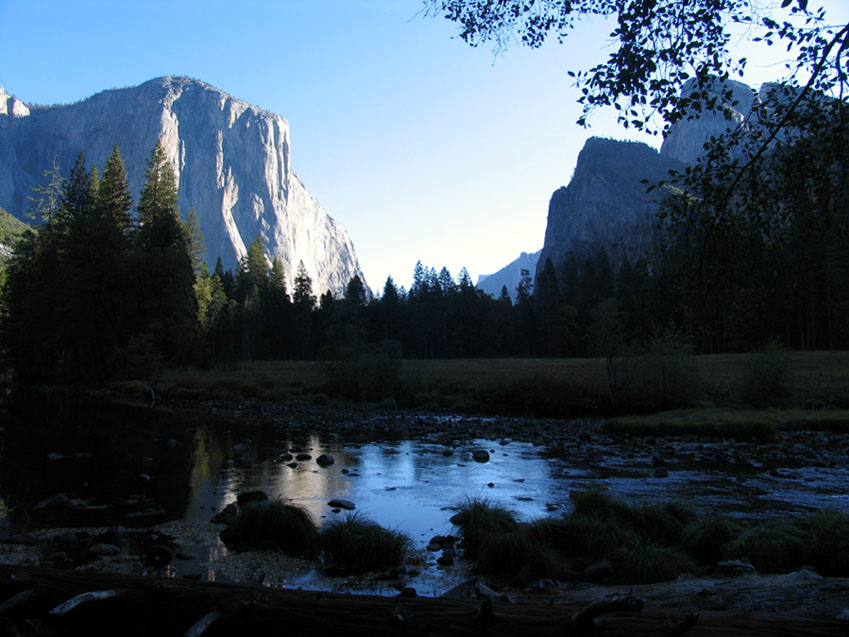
{"x": 729, "y": 423}
{"x": 555, "y": 387}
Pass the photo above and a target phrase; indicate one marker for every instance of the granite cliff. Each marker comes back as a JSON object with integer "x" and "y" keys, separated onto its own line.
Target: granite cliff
{"x": 606, "y": 205}
{"x": 231, "y": 161}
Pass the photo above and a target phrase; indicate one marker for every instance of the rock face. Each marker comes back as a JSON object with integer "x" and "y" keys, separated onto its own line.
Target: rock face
{"x": 231, "y": 161}
{"x": 508, "y": 276}
{"x": 606, "y": 206}
{"x": 686, "y": 139}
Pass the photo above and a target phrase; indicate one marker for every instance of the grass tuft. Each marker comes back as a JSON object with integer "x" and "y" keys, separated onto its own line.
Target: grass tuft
{"x": 829, "y": 547}
{"x": 584, "y": 537}
{"x": 661, "y": 523}
{"x": 600, "y": 505}
{"x": 273, "y": 525}
{"x": 355, "y": 544}
{"x": 772, "y": 546}
{"x": 513, "y": 554}
{"x": 707, "y": 538}
{"x": 646, "y": 543}
{"x": 478, "y": 518}
{"x": 649, "y": 563}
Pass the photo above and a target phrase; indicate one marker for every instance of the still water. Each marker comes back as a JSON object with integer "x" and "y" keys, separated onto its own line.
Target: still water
{"x": 102, "y": 457}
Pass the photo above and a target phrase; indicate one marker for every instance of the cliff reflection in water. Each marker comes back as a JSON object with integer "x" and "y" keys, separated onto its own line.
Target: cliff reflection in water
{"x": 114, "y": 464}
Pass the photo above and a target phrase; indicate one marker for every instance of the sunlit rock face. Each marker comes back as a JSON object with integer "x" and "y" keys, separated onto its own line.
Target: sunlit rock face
{"x": 231, "y": 160}
{"x": 605, "y": 204}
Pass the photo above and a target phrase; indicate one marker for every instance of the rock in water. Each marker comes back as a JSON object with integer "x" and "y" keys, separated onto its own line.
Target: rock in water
{"x": 325, "y": 460}
{"x": 231, "y": 161}
{"x": 342, "y": 504}
{"x": 480, "y": 455}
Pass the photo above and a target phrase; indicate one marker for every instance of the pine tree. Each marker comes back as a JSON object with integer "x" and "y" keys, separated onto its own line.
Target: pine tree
{"x": 302, "y": 295}
{"x": 253, "y": 272}
{"x": 158, "y": 199}
{"x": 355, "y": 292}
{"x": 113, "y": 196}
{"x": 45, "y": 199}
{"x": 276, "y": 310}
{"x": 303, "y": 305}
{"x": 197, "y": 249}
{"x": 167, "y": 304}
{"x": 76, "y": 198}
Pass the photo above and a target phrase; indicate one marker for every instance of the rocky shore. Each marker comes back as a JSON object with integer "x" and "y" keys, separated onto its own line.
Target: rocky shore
{"x": 192, "y": 550}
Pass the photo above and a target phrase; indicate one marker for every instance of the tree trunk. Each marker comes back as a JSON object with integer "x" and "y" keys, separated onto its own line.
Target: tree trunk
{"x": 44, "y": 601}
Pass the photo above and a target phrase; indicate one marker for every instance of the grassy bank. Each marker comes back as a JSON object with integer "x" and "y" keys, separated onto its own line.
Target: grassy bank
{"x": 728, "y": 423}
{"x": 608, "y": 540}
{"x": 806, "y": 381}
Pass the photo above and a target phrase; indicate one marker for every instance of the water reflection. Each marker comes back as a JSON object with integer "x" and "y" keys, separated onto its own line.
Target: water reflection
{"x": 405, "y": 485}
{"x": 409, "y": 484}
{"x": 99, "y": 455}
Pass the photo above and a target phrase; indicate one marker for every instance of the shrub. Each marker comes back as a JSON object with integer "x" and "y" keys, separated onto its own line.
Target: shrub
{"x": 708, "y": 537}
{"x": 773, "y": 546}
{"x": 479, "y": 518}
{"x": 355, "y": 544}
{"x": 648, "y": 563}
{"x": 766, "y": 377}
{"x": 540, "y": 395}
{"x": 273, "y": 525}
{"x": 662, "y": 375}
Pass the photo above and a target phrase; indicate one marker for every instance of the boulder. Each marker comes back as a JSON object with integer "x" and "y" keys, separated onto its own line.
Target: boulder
{"x": 103, "y": 550}
{"x": 227, "y": 514}
{"x": 58, "y": 501}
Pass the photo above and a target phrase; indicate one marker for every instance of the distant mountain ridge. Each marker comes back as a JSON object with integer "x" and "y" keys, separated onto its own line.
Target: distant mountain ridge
{"x": 508, "y": 276}
{"x": 231, "y": 160}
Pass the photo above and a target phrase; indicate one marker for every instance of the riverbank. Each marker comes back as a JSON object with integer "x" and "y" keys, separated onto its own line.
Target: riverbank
{"x": 561, "y": 388}
{"x": 529, "y": 461}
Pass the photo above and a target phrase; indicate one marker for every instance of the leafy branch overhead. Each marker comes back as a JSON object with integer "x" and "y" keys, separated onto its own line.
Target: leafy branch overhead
{"x": 659, "y": 46}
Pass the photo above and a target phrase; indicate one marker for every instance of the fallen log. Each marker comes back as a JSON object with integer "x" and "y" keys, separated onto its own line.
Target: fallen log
{"x": 144, "y": 606}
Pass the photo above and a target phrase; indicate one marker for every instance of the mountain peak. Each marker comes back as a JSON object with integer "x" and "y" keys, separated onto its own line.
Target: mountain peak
{"x": 231, "y": 161}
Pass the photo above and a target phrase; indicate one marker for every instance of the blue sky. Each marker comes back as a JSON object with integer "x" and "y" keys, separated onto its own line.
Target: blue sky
{"x": 419, "y": 145}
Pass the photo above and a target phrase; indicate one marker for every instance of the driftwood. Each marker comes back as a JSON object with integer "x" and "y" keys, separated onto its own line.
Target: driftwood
{"x": 139, "y": 605}
{"x": 802, "y": 594}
